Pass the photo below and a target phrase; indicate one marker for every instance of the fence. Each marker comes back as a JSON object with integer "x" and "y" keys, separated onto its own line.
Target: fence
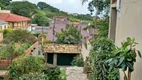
{"x": 4, "y": 63}
{"x": 29, "y": 50}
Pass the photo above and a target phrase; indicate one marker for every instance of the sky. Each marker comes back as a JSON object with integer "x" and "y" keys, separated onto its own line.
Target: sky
{"x": 70, "y": 6}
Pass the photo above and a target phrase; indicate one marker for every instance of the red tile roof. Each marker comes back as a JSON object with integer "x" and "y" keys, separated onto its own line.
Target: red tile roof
{"x": 9, "y": 17}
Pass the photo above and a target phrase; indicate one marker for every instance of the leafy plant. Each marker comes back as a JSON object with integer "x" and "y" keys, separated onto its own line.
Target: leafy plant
{"x": 25, "y": 65}
{"x": 21, "y": 36}
{"x": 52, "y": 72}
{"x": 125, "y": 56}
{"x": 69, "y": 36}
{"x": 34, "y": 76}
{"x": 78, "y": 61}
{"x": 102, "y": 51}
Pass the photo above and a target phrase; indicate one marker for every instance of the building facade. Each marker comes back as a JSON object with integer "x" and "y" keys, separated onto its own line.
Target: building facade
{"x": 15, "y": 21}
{"x": 3, "y": 25}
{"x": 125, "y": 21}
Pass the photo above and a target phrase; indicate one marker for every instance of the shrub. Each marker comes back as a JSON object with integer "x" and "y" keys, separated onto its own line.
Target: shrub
{"x": 52, "y": 72}
{"x": 34, "y": 76}
{"x": 21, "y": 36}
{"x": 25, "y": 65}
{"x": 78, "y": 61}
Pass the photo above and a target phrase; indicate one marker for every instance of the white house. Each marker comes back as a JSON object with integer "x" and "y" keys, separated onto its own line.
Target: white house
{"x": 3, "y": 25}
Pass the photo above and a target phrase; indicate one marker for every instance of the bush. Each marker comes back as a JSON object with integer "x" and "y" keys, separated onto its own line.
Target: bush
{"x": 25, "y": 65}
{"x": 34, "y": 76}
{"x": 52, "y": 72}
{"x": 21, "y": 36}
{"x": 78, "y": 61}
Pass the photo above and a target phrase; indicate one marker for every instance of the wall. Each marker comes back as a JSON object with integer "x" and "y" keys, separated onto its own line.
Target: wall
{"x": 129, "y": 24}
{"x": 85, "y": 51}
{"x": 4, "y": 26}
{"x": 1, "y": 37}
{"x": 19, "y": 25}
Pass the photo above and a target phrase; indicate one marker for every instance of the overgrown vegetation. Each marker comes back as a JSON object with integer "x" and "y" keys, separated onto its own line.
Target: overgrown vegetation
{"x": 69, "y": 36}
{"x": 19, "y": 36}
{"x": 25, "y": 65}
{"x": 78, "y": 61}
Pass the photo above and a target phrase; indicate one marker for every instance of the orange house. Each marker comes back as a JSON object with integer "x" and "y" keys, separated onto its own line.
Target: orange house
{"x": 15, "y": 21}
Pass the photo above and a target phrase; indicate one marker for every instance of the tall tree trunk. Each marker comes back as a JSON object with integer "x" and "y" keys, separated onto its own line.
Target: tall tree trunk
{"x": 129, "y": 74}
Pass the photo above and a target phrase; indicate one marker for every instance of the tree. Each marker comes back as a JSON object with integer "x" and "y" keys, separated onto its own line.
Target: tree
{"x": 25, "y": 65}
{"x": 42, "y": 5}
{"x": 23, "y": 8}
{"x": 69, "y": 36}
{"x": 99, "y": 5}
{"x": 21, "y": 36}
{"x": 41, "y": 20}
{"x": 5, "y": 2}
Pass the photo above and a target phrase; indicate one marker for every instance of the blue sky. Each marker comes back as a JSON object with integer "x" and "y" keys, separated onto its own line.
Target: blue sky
{"x": 71, "y": 6}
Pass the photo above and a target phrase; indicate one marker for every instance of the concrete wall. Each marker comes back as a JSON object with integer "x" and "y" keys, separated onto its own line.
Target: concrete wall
{"x": 1, "y": 37}
{"x": 129, "y": 24}
{"x": 85, "y": 51}
{"x": 4, "y": 26}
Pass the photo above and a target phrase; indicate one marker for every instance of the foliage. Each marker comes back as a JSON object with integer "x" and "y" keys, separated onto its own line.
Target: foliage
{"x": 125, "y": 56}
{"x": 78, "y": 61}
{"x": 43, "y": 5}
{"x": 63, "y": 74}
{"x": 7, "y": 49}
{"x": 69, "y": 36}
{"x": 45, "y": 42}
{"x": 34, "y": 76}
{"x": 21, "y": 49}
{"x": 99, "y": 5}
{"x": 21, "y": 36}
{"x": 6, "y": 31}
{"x": 102, "y": 51}
{"x": 25, "y": 65}
{"x": 52, "y": 72}
{"x": 5, "y": 2}
{"x": 41, "y": 20}
{"x": 23, "y": 8}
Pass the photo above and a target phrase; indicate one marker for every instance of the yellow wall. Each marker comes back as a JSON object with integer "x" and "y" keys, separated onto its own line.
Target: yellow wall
{"x": 18, "y": 25}
{"x": 129, "y": 24}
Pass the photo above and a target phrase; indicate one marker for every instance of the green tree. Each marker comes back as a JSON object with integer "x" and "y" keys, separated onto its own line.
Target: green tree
{"x": 25, "y": 65}
{"x": 23, "y": 8}
{"x": 41, "y": 20}
{"x": 21, "y": 36}
{"x": 5, "y": 2}
{"x": 42, "y": 5}
{"x": 69, "y": 36}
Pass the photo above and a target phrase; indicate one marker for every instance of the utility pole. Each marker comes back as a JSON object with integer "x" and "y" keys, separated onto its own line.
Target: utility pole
{"x": 54, "y": 29}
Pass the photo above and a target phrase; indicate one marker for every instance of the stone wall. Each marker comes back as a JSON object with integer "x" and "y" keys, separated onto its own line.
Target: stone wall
{"x": 62, "y": 48}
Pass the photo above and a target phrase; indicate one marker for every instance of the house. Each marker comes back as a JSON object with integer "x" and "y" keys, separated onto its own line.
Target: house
{"x": 61, "y": 54}
{"x": 60, "y": 24}
{"x": 3, "y": 25}
{"x": 15, "y": 21}
{"x": 126, "y": 21}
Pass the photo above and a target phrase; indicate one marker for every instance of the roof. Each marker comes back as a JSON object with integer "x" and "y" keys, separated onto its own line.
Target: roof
{"x": 62, "y": 49}
{"x": 9, "y": 17}
{"x": 3, "y": 22}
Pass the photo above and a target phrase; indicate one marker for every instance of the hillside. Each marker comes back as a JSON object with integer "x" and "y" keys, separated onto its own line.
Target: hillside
{"x": 41, "y": 12}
